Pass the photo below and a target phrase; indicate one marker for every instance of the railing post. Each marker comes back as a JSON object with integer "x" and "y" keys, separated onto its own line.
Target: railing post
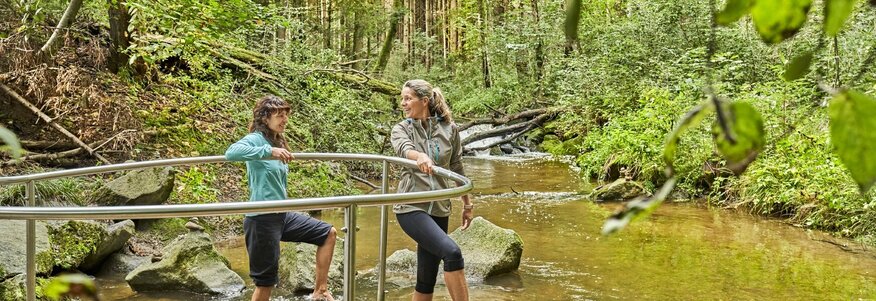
{"x": 384, "y": 217}
{"x": 31, "y": 245}
{"x": 350, "y": 253}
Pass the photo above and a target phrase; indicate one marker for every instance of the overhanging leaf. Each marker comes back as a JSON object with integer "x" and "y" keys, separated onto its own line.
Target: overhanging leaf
{"x": 747, "y": 132}
{"x": 637, "y": 208}
{"x": 11, "y": 141}
{"x": 691, "y": 118}
{"x": 836, "y": 12}
{"x": 733, "y": 10}
{"x": 777, "y": 20}
{"x": 853, "y": 134}
{"x": 798, "y": 67}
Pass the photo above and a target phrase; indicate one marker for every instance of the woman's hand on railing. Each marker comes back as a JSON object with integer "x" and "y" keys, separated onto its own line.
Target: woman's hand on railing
{"x": 425, "y": 163}
{"x": 281, "y": 154}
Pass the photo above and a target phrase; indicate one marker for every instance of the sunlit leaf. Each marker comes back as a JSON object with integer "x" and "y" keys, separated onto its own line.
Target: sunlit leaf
{"x": 691, "y": 118}
{"x": 853, "y": 134}
{"x": 836, "y": 12}
{"x": 746, "y": 126}
{"x": 70, "y": 285}
{"x": 573, "y": 16}
{"x": 777, "y": 20}
{"x": 9, "y": 139}
{"x": 798, "y": 67}
{"x": 637, "y": 208}
{"x": 733, "y": 10}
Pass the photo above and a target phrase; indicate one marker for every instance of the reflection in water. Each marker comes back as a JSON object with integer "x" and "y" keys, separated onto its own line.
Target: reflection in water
{"x": 682, "y": 252}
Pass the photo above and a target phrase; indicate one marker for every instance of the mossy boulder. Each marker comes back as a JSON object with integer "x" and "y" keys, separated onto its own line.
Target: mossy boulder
{"x": 190, "y": 263}
{"x": 84, "y": 244}
{"x": 149, "y": 186}
{"x": 13, "y": 248}
{"x": 619, "y": 190}
{"x": 298, "y": 262}
{"x": 488, "y": 250}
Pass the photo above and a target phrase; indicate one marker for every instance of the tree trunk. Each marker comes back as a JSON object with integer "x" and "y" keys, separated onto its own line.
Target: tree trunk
{"x": 119, "y": 38}
{"x": 397, "y": 15}
{"x": 357, "y": 39}
{"x": 51, "y": 45}
{"x": 485, "y": 61}
{"x": 539, "y": 51}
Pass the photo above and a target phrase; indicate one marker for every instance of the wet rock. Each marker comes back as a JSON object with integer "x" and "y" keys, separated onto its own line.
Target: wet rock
{"x": 121, "y": 264}
{"x": 149, "y": 186}
{"x": 298, "y": 262}
{"x": 488, "y": 250}
{"x": 619, "y": 190}
{"x": 190, "y": 263}
{"x": 496, "y": 151}
{"x": 507, "y": 148}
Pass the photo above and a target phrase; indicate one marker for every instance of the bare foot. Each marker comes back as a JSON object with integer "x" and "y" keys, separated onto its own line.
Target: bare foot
{"x": 322, "y": 296}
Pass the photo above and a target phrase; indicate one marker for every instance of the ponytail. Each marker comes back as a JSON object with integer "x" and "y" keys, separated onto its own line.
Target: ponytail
{"x": 438, "y": 106}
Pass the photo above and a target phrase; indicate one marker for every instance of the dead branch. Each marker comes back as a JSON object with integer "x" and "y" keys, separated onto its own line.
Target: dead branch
{"x": 65, "y": 154}
{"x": 528, "y": 125}
{"x": 364, "y": 181}
{"x": 503, "y": 120}
{"x": 46, "y": 145}
{"x": 49, "y": 120}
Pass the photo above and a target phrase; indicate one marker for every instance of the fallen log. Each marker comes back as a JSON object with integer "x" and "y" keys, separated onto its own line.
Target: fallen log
{"x": 516, "y": 130}
{"x": 504, "y": 120}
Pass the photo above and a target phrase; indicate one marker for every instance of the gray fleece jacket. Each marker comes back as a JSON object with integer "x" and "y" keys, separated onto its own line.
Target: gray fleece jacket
{"x": 440, "y": 140}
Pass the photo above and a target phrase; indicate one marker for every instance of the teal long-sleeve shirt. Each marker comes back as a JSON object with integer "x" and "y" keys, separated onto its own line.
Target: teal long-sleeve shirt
{"x": 267, "y": 178}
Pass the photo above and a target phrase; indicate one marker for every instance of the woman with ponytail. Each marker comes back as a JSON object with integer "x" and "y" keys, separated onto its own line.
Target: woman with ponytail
{"x": 429, "y": 136}
{"x": 266, "y": 154}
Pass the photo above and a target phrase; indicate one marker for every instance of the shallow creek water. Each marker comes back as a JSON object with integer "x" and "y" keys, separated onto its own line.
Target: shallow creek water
{"x": 682, "y": 252}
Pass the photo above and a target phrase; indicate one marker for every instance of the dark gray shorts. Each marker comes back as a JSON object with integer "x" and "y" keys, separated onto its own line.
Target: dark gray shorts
{"x": 265, "y": 232}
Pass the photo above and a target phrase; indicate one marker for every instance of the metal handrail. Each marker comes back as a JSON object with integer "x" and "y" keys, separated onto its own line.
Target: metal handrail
{"x": 349, "y": 203}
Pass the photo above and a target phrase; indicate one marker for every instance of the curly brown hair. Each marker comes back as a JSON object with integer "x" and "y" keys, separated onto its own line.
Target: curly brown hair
{"x": 265, "y": 108}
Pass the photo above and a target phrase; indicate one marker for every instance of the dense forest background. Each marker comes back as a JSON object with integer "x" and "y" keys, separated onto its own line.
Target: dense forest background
{"x": 153, "y": 79}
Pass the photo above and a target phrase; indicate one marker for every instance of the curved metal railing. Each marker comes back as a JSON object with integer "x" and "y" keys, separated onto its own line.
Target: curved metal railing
{"x": 349, "y": 203}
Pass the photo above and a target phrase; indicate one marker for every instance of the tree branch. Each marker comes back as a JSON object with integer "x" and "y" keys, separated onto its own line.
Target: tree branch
{"x": 69, "y": 14}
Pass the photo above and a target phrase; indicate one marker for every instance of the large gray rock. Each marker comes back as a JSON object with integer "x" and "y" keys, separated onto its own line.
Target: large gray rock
{"x": 298, "y": 262}
{"x": 619, "y": 190}
{"x": 116, "y": 236}
{"x": 120, "y": 263}
{"x": 190, "y": 263}
{"x": 149, "y": 186}
{"x": 13, "y": 248}
{"x": 487, "y": 249}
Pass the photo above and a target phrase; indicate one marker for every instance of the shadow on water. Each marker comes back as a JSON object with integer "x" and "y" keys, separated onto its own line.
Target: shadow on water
{"x": 682, "y": 252}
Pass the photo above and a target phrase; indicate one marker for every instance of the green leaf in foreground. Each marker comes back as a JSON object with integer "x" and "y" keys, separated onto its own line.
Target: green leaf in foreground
{"x": 9, "y": 139}
{"x": 798, "y": 67}
{"x": 747, "y": 130}
{"x": 637, "y": 208}
{"x": 690, "y": 119}
{"x": 853, "y": 134}
{"x": 733, "y": 10}
{"x": 778, "y": 20}
{"x": 836, "y": 12}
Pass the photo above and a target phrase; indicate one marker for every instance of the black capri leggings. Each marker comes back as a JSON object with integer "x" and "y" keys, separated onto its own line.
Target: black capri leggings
{"x": 433, "y": 245}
